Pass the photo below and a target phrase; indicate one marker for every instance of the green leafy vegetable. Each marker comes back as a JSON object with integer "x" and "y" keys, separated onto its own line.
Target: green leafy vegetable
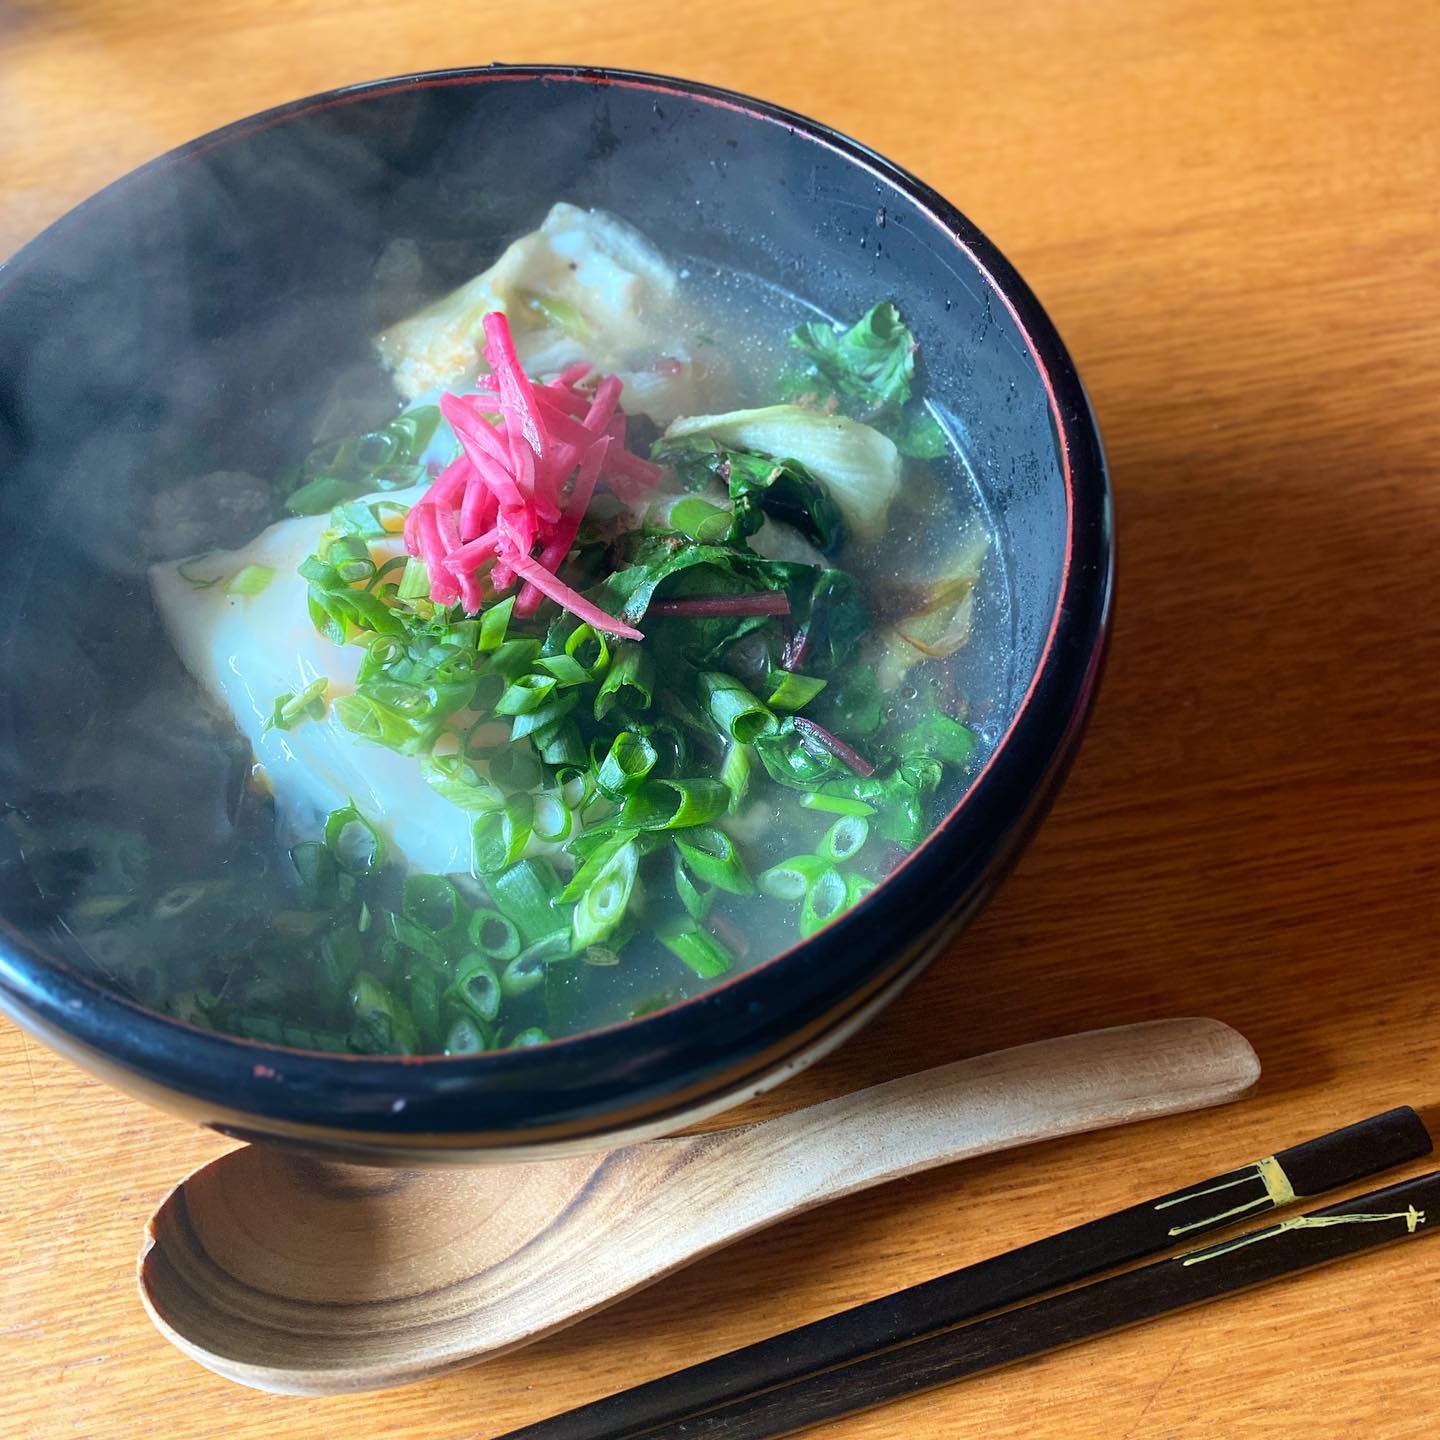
{"x": 870, "y": 370}
{"x": 758, "y": 485}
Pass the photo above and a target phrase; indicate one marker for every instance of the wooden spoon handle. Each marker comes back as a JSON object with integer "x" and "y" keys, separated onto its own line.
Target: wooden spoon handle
{"x": 989, "y": 1103}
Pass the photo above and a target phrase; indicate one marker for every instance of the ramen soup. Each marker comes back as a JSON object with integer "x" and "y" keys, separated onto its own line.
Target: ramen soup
{"x": 627, "y": 643}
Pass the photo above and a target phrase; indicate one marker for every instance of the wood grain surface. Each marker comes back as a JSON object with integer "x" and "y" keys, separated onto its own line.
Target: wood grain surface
{"x": 1233, "y": 213}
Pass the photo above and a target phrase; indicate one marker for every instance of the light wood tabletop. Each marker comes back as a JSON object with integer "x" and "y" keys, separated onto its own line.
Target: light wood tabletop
{"x": 1233, "y": 214}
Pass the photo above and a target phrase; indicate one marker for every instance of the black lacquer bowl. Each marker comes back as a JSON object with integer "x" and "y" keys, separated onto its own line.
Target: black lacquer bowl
{"x": 205, "y": 295}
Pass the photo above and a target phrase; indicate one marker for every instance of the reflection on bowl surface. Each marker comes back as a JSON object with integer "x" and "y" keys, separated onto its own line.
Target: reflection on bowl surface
{"x": 902, "y": 574}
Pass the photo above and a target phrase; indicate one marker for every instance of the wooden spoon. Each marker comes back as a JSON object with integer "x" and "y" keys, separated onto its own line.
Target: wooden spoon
{"x": 312, "y": 1278}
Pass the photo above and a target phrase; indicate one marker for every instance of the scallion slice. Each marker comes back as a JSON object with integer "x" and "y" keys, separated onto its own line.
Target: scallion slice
{"x": 792, "y": 878}
{"x": 527, "y": 893}
{"x": 844, "y": 839}
{"x": 252, "y": 580}
{"x": 697, "y": 948}
{"x": 464, "y": 1037}
{"x": 494, "y": 621}
{"x": 824, "y": 900}
{"x": 835, "y": 804}
{"x": 494, "y": 935}
{"x": 734, "y": 709}
{"x": 630, "y": 759}
{"x": 527, "y": 969}
{"x": 697, "y": 902}
{"x": 602, "y": 907}
{"x": 382, "y": 1025}
{"x": 551, "y": 820}
{"x": 356, "y": 844}
{"x": 499, "y": 837}
{"x": 674, "y": 804}
{"x": 525, "y": 693}
{"x": 712, "y": 857}
{"x": 789, "y": 691}
{"x": 629, "y": 682}
{"x": 477, "y": 987}
{"x": 736, "y": 770}
{"x": 431, "y": 902}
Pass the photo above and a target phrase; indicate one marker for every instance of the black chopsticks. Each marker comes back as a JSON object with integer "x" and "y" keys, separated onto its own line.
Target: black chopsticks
{"x": 908, "y": 1341}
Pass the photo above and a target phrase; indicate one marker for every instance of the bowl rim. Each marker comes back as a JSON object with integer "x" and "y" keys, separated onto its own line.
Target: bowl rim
{"x": 208, "y": 1065}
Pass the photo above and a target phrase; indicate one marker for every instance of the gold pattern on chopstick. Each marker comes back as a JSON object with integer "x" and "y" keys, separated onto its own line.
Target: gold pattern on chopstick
{"x": 1267, "y": 1170}
{"x": 1412, "y": 1217}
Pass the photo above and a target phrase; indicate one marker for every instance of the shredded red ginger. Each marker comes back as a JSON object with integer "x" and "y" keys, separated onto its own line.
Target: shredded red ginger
{"x": 507, "y": 509}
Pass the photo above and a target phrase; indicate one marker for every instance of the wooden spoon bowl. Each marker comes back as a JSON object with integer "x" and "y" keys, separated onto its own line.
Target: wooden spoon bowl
{"x": 310, "y": 1277}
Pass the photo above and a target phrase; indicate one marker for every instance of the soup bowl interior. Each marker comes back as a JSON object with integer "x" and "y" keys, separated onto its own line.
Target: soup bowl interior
{"x": 191, "y": 318}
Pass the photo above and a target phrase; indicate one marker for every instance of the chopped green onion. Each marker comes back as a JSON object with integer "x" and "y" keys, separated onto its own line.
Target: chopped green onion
{"x": 383, "y": 724}
{"x": 315, "y": 865}
{"x": 565, "y": 670}
{"x": 527, "y": 969}
{"x": 844, "y": 839}
{"x": 835, "y": 804}
{"x": 824, "y": 900}
{"x": 602, "y": 907}
{"x": 527, "y": 894}
{"x": 674, "y": 804}
{"x": 464, "y": 1037}
{"x": 712, "y": 855}
{"x": 524, "y": 693}
{"x": 789, "y": 691}
{"x": 551, "y": 820}
{"x": 178, "y": 899}
{"x": 382, "y": 1025}
{"x": 494, "y": 935}
{"x": 453, "y": 778}
{"x": 494, "y": 621}
{"x": 415, "y": 582}
{"x": 500, "y": 836}
{"x": 534, "y": 1035}
{"x": 318, "y": 496}
{"x": 589, "y": 648}
{"x": 857, "y": 887}
{"x": 790, "y": 879}
{"x": 293, "y": 707}
{"x": 559, "y": 744}
{"x": 630, "y": 681}
{"x": 340, "y": 957}
{"x": 601, "y": 956}
{"x": 356, "y": 518}
{"x": 695, "y": 901}
{"x": 559, "y": 313}
{"x": 736, "y": 770}
{"x": 630, "y": 759}
{"x": 545, "y": 716}
{"x": 593, "y": 850}
{"x": 515, "y": 768}
{"x": 477, "y": 987}
{"x": 698, "y": 949}
{"x": 252, "y": 580}
{"x": 425, "y": 1003}
{"x": 390, "y": 567}
{"x": 405, "y": 934}
{"x": 355, "y": 843}
{"x": 512, "y": 658}
{"x": 351, "y": 557}
{"x": 431, "y": 902}
{"x": 733, "y": 708}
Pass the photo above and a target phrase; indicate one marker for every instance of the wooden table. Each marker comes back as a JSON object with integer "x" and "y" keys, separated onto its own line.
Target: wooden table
{"x": 1232, "y": 211}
